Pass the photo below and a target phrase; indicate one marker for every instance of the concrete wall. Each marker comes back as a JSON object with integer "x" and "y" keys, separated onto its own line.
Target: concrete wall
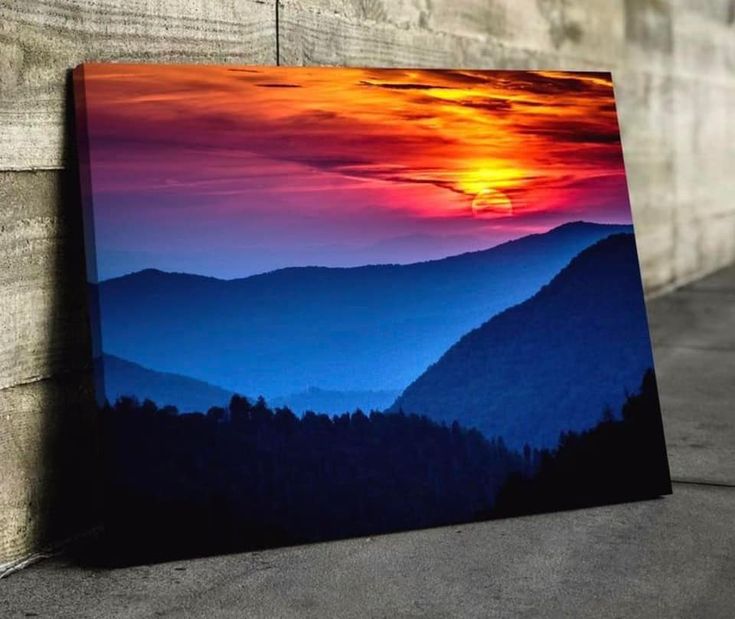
{"x": 674, "y": 65}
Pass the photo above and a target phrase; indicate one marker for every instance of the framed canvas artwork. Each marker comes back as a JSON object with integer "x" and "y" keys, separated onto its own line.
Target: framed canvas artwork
{"x": 335, "y": 302}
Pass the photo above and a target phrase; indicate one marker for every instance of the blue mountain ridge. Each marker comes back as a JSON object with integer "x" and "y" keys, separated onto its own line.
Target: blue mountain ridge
{"x": 362, "y": 329}
{"x": 552, "y": 363}
{"x": 125, "y": 378}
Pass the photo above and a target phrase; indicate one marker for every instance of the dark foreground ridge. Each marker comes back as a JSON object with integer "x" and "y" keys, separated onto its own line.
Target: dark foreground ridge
{"x": 613, "y": 462}
{"x": 250, "y": 477}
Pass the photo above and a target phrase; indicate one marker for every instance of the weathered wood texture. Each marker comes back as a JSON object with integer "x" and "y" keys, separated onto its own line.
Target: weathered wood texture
{"x": 42, "y": 39}
{"x": 46, "y": 443}
{"x": 46, "y": 439}
{"x": 44, "y": 319}
{"x": 49, "y": 459}
{"x": 674, "y": 64}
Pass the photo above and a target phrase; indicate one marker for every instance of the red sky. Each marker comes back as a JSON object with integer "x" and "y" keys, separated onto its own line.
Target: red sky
{"x": 229, "y": 171}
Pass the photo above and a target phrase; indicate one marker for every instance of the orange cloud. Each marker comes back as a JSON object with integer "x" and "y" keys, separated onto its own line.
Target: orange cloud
{"x": 536, "y": 139}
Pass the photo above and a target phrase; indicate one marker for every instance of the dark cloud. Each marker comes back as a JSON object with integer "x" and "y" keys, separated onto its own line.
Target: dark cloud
{"x": 404, "y": 86}
{"x": 559, "y": 131}
{"x": 328, "y": 162}
{"x": 521, "y": 103}
{"x": 563, "y": 84}
{"x": 489, "y": 104}
{"x": 594, "y": 137}
{"x": 528, "y": 81}
{"x": 416, "y": 116}
{"x": 277, "y": 85}
{"x": 400, "y": 178}
{"x": 464, "y": 77}
{"x": 383, "y": 74}
{"x": 312, "y": 116}
{"x": 544, "y": 85}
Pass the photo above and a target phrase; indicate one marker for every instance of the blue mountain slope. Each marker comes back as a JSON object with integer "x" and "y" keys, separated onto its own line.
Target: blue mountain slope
{"x": 187, "y": 394}
{"x": 342, "y": 329}
{"x": 552, "y": 363}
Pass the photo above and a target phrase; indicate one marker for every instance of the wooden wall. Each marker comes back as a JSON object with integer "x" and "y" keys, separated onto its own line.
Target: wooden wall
{"x": 674, "y": 66}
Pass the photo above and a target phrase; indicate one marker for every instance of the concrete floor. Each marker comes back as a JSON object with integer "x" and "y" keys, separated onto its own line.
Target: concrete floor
{"x": 672, "y": 557}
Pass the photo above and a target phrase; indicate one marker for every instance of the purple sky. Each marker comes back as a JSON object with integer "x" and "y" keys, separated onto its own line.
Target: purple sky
{"x": 231, "y": 171}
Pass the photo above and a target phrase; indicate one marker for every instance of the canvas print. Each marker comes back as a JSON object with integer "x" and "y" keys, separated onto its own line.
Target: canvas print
{"x": 333, "y": 302}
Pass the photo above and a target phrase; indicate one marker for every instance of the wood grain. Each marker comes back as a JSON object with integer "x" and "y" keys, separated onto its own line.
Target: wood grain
{"x": 580, "y": 31}
{"x": 361, "y": 33}
{"x": 42, "y": 39}
{"x": 42, "y": 282}
{"x": 49, "y": 460}
{"x": 46, "y": 437}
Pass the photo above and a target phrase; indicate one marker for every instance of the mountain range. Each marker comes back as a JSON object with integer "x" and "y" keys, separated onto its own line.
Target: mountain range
{"x": 365, "y": 329}
{"x": 552, "y": 363}
{"x": 125, "y": 378}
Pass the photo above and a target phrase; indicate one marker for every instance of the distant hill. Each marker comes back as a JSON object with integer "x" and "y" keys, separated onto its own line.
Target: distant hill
{"x": 187, "y": 394}
{"x": 552, "y": 363}
{"x": 336, "y": 329}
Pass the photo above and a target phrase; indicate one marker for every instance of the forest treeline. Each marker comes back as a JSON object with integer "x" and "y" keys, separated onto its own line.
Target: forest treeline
{"x": 620, "y": 459}
{"x": 249, "y": 476}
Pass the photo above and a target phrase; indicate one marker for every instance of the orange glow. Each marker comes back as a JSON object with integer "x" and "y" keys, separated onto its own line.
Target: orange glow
{"x": 495, "y": 138}
{"x": 493, "y": 203}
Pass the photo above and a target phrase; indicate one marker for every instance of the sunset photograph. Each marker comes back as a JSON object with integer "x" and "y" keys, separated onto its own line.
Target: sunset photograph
{"x": 367, "y": 308}
{"x": 282, "y": 167}
{"x": 338, "y": 302}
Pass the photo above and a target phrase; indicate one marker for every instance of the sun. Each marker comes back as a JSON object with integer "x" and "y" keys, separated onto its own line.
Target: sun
{"x": 491, "y": 202}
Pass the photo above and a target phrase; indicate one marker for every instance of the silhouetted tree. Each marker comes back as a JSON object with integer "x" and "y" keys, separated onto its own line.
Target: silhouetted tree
{"x": 196, "y": 483}
{"x": 149, "y": 408}
{"x": 239, "y": 409}
{"x": 168, "y": 411}
{"x": 216, "y": 414}
{"x": 617, "y": 460}
{"x": 200, "y": 483}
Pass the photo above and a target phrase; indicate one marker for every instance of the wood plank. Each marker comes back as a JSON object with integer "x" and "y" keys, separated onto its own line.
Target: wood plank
{"x": 704, "y": 95}
{"x": 48, "y": 456}
{"x": 43, "y": 304}
{"x": 593, "y": 30}
{"x": 649, "y": 34}
{"x": 664, "y": 558}
{"x": 336, "y": 33}
{"x": 42, "y": 39}
{"x": 646, "y": 117}
{"x": 704, "y": 41}
{"x": 704, "y": 151}
{"x": 704, "y": 157}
